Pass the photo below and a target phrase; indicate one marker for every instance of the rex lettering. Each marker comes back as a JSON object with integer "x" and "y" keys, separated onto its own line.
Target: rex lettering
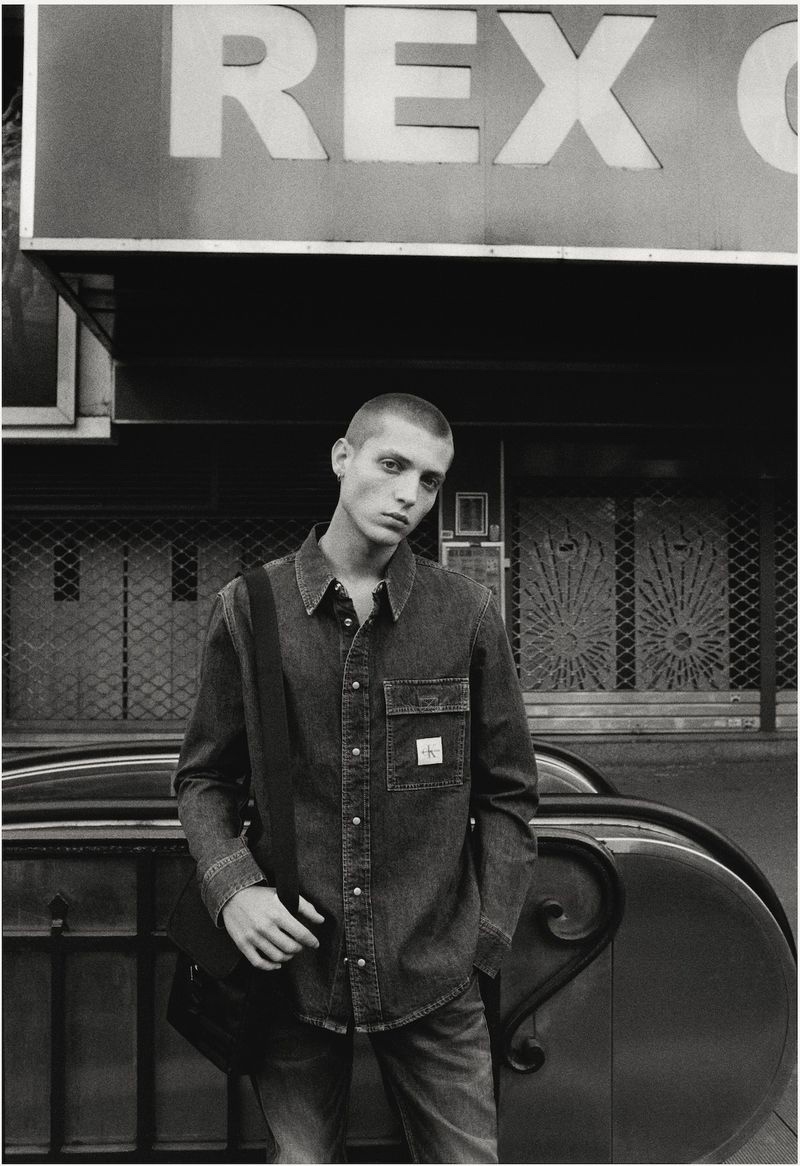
{"x": 201, "y": 34}
{"x": 257, "y": 54}
{"x": 372, "y": 82}
{"x": 577, "y": 90}
{"x": 761, "y": 96}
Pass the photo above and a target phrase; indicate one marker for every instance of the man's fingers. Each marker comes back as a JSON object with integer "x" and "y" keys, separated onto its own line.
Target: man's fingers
{"x": 258, "y": 961}
{"x": 255, "y": 917}
{"x": 309, "y": 912}
{"x": 293, "y": 927}
{"x": 280, "y": 941}
{"x": 296, "y": 930}
{"x": 274, "y": 952}
{"x": 280, "y": 931}
{"x": 285, "y": 919}
{"x": 277, "y": 933}
{"x": 265, "y": 953}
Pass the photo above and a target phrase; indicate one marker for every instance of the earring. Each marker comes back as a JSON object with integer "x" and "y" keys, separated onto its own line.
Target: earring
{"x": 339, "y": 478}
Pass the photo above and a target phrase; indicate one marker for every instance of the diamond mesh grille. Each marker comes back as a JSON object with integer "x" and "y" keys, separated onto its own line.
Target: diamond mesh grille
{"x": 105, "y": 619}
{"x": 786, "y": 591}
{"x": 637, "y": 587}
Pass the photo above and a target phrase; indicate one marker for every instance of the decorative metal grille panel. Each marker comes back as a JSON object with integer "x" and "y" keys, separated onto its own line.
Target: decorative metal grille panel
{"x": 104, "y": 619}
{"x": 681, "y": 594}
{"x": 786, "y": 591}
{"x": 567, "y": 585}
{"x": 635, "y": 587}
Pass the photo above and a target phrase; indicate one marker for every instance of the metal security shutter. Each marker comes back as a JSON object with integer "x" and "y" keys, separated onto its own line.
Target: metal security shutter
{"x": 111, "y": 563}
{"x": 786, "y": 608}
{"x": 636, "y": 606}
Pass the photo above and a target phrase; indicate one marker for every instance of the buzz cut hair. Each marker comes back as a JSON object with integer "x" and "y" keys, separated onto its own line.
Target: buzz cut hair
{"x": 370, "y": 417}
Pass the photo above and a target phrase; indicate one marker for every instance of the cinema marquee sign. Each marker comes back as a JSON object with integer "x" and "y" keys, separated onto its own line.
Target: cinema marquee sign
{"x": 665, "y": 132}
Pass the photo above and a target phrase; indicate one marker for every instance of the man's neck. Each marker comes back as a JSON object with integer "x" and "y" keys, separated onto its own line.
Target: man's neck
{"x": 350, "y": 555}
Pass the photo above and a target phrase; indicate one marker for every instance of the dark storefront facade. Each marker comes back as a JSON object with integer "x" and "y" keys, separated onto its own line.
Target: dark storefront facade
{"x": 574, "y": 230}
{"x": 621, "y": 385}
{"x": 635, "y": 605}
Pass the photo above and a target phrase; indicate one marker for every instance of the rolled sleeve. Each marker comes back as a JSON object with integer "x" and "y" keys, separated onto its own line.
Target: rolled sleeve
{"x": 225, "y": 874}
{"x": 504, "y": 790}
{"x": 212, "y": 779}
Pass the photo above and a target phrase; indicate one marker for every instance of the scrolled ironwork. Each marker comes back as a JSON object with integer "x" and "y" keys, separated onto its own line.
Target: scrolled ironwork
{"x": 528, "y": 1055}
{"x": 549, "y": 912}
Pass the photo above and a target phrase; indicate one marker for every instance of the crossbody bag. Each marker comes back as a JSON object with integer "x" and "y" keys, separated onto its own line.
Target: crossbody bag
{"x": 218, "y": 1001}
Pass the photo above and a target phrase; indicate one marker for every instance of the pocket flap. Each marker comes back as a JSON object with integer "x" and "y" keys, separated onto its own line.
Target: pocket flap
{"x": 450, "y": 694}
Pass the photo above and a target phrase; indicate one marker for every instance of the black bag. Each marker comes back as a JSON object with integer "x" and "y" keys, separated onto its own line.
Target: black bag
{"x": 219, "y": 1002}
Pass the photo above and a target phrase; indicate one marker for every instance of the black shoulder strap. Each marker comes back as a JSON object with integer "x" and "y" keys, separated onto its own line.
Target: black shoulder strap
{"x": 274, "y": 736}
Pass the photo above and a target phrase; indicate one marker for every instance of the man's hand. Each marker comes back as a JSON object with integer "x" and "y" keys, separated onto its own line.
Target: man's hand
{"x": 264, "y": 931}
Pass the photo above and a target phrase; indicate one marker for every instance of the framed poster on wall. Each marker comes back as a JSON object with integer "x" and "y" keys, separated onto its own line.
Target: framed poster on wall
{"x": 472, "y": 512}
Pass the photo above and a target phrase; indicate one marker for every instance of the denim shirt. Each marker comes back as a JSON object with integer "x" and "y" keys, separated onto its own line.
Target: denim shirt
{"x": 401, "y": 729}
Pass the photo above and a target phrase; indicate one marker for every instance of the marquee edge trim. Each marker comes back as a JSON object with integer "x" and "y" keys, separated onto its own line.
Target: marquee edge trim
{"x": 441, "y": 250}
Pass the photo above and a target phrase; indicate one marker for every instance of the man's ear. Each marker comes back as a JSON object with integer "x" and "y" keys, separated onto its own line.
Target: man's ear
{"x": 340, "y": 455}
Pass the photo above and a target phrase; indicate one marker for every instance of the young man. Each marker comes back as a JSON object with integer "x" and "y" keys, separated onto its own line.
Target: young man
{"x": 405, "y": 718}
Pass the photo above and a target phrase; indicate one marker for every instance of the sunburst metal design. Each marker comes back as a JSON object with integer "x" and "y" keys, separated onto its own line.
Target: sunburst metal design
{"x": 567, "y": 608}
{"x": 681, "y": 597}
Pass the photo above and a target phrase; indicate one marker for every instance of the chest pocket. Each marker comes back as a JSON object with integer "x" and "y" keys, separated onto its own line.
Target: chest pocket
{"x": 426, "y": 724}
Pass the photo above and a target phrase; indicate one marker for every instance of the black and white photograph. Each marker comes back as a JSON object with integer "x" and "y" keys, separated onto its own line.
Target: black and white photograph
{"x": 399, "y": 583}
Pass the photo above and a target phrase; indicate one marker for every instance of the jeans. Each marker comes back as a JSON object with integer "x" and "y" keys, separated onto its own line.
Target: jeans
{"x": 437, "y": 1068}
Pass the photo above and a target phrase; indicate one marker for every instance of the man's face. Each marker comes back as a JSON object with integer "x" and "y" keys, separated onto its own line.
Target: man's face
{"x": 392, "y": 481}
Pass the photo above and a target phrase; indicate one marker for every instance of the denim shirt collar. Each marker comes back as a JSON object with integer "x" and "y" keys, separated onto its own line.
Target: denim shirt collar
{"x": 314, "y": 575}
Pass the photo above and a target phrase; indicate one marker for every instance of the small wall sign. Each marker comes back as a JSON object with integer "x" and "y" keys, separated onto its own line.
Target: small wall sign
{"x": 472, "y": 515}
{"x": 483, "y": 563}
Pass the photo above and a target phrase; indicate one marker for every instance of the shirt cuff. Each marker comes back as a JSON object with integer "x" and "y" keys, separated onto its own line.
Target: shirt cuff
{"x": 492, "y": 946}
{"x": 225, "y": 874}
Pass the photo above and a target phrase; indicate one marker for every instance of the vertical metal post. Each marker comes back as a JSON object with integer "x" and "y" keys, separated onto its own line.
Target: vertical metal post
{"x": 505, "y": 561}
{"x": 8, "y": 638}
{"x": 625, "y": 593}
{"x": 145, "y": 1007}
{"x": 125, "y": 630}
{"x": 58, "y": 1022}
{"x": 233, "y": 1115}
{"x": 767, "y": 597}
{"x": 510, "y": 571}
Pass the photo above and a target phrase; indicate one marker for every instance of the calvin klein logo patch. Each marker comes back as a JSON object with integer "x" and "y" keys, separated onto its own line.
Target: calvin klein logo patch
{"x": 429, "y": 751}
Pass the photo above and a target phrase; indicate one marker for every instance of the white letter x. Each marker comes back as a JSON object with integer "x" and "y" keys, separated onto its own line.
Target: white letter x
{"x": 577, "y": 89}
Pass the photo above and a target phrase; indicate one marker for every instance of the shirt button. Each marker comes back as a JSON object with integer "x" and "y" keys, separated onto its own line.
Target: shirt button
{"x": 356, "y": 890}
{"x": 356, "y": 752}
{"x": 356, "y": 821}
{"x": 356, "y": 684}
{"x": 348, "y": 623}
{"x": 362, "y": 963}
